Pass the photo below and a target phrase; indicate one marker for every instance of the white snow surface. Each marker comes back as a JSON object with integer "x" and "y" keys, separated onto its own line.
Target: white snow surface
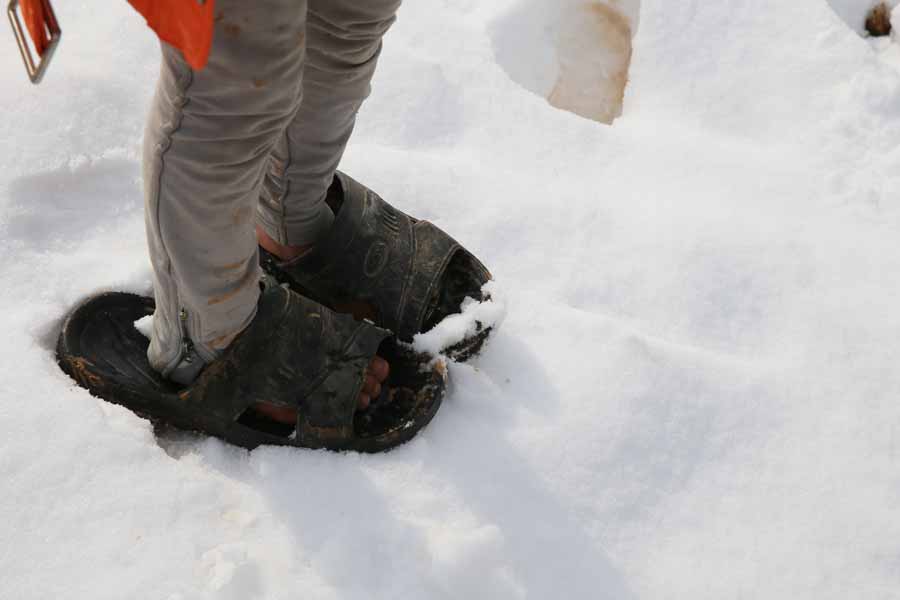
{"x": 695, "y": 393}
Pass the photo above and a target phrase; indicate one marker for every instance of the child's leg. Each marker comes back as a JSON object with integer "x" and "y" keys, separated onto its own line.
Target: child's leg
{"x": 343, "y": 44}
{"x": 206, "y": 147}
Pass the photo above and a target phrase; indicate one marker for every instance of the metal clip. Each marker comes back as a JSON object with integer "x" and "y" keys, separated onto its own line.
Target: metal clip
{"x": 36, "y": 69}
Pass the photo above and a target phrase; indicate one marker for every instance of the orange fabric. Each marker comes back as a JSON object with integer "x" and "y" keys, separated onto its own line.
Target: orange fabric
{"x": 35, "y": 21}
{"x": 185, "y": 24}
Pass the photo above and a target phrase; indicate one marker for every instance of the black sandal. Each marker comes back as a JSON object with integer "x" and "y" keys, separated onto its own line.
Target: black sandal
{"x": 379, "y": 263}
{"x": 296, "y": 353}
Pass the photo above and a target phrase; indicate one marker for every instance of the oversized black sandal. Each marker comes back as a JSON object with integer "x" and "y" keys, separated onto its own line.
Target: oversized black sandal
{"x": 376, "y": 261}
{"x": 296, "y": 353}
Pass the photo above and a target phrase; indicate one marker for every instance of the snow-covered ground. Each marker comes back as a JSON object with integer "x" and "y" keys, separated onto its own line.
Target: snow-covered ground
{"x": 696, "y": 392}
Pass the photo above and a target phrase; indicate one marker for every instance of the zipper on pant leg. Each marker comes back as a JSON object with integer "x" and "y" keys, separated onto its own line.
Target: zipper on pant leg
{"x": 188, "y": 363}
{"x": 187, "y": 346}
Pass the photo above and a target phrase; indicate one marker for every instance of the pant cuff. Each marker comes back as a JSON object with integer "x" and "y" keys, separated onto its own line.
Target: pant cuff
{"x": 296, "y": 229}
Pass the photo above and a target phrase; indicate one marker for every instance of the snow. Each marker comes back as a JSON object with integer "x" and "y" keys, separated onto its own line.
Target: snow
{"x": 693, "y": 394}
{"x": 145, "y": 325}
{"x": 472, "y": 318}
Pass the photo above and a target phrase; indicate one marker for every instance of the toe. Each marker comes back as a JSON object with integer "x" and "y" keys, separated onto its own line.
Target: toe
{"x": 379, "y": 368}
{"x": 371, "y": 385}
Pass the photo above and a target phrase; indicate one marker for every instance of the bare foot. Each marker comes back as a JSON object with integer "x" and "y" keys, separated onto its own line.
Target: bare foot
{"x": 282, "y": 251}
{"x": 376, "y": 373}
{"x": 359, "y": 310}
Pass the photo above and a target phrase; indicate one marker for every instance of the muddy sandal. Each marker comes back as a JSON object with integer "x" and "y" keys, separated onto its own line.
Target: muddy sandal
{"x": 377, "y": 262}
{"x": 296, "y": 353}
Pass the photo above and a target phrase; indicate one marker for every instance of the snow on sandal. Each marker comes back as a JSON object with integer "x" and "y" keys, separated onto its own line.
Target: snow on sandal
{"x": 296, "y": 353}
{"x": 379, "y": 263}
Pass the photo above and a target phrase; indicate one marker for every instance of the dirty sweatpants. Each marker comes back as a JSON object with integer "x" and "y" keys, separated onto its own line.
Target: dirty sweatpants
{"x": 255, "y": 137}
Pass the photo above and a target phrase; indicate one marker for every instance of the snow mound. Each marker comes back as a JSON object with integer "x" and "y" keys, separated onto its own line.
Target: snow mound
{"x": 473, "y": 318}
{"x": 574, "y": 53}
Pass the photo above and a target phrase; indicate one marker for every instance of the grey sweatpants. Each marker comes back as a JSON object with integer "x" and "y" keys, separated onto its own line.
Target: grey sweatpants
{"x": 255, "y": 137}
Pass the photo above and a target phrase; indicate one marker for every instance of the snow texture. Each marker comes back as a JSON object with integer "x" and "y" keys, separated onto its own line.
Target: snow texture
{"x": 695, "y": 390}
{"x": 474, "y": 317}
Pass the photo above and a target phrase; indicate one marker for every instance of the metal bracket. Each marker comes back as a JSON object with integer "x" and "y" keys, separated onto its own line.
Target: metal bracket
{"x": 35, "y": 68}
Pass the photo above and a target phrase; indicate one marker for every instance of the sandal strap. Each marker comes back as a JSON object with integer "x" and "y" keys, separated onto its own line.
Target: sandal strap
{"x": 434, "y": 249}
{"x": 325, "y": 414}
{"x": 377, "y": 254}
{"x": 296, "y": 353}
